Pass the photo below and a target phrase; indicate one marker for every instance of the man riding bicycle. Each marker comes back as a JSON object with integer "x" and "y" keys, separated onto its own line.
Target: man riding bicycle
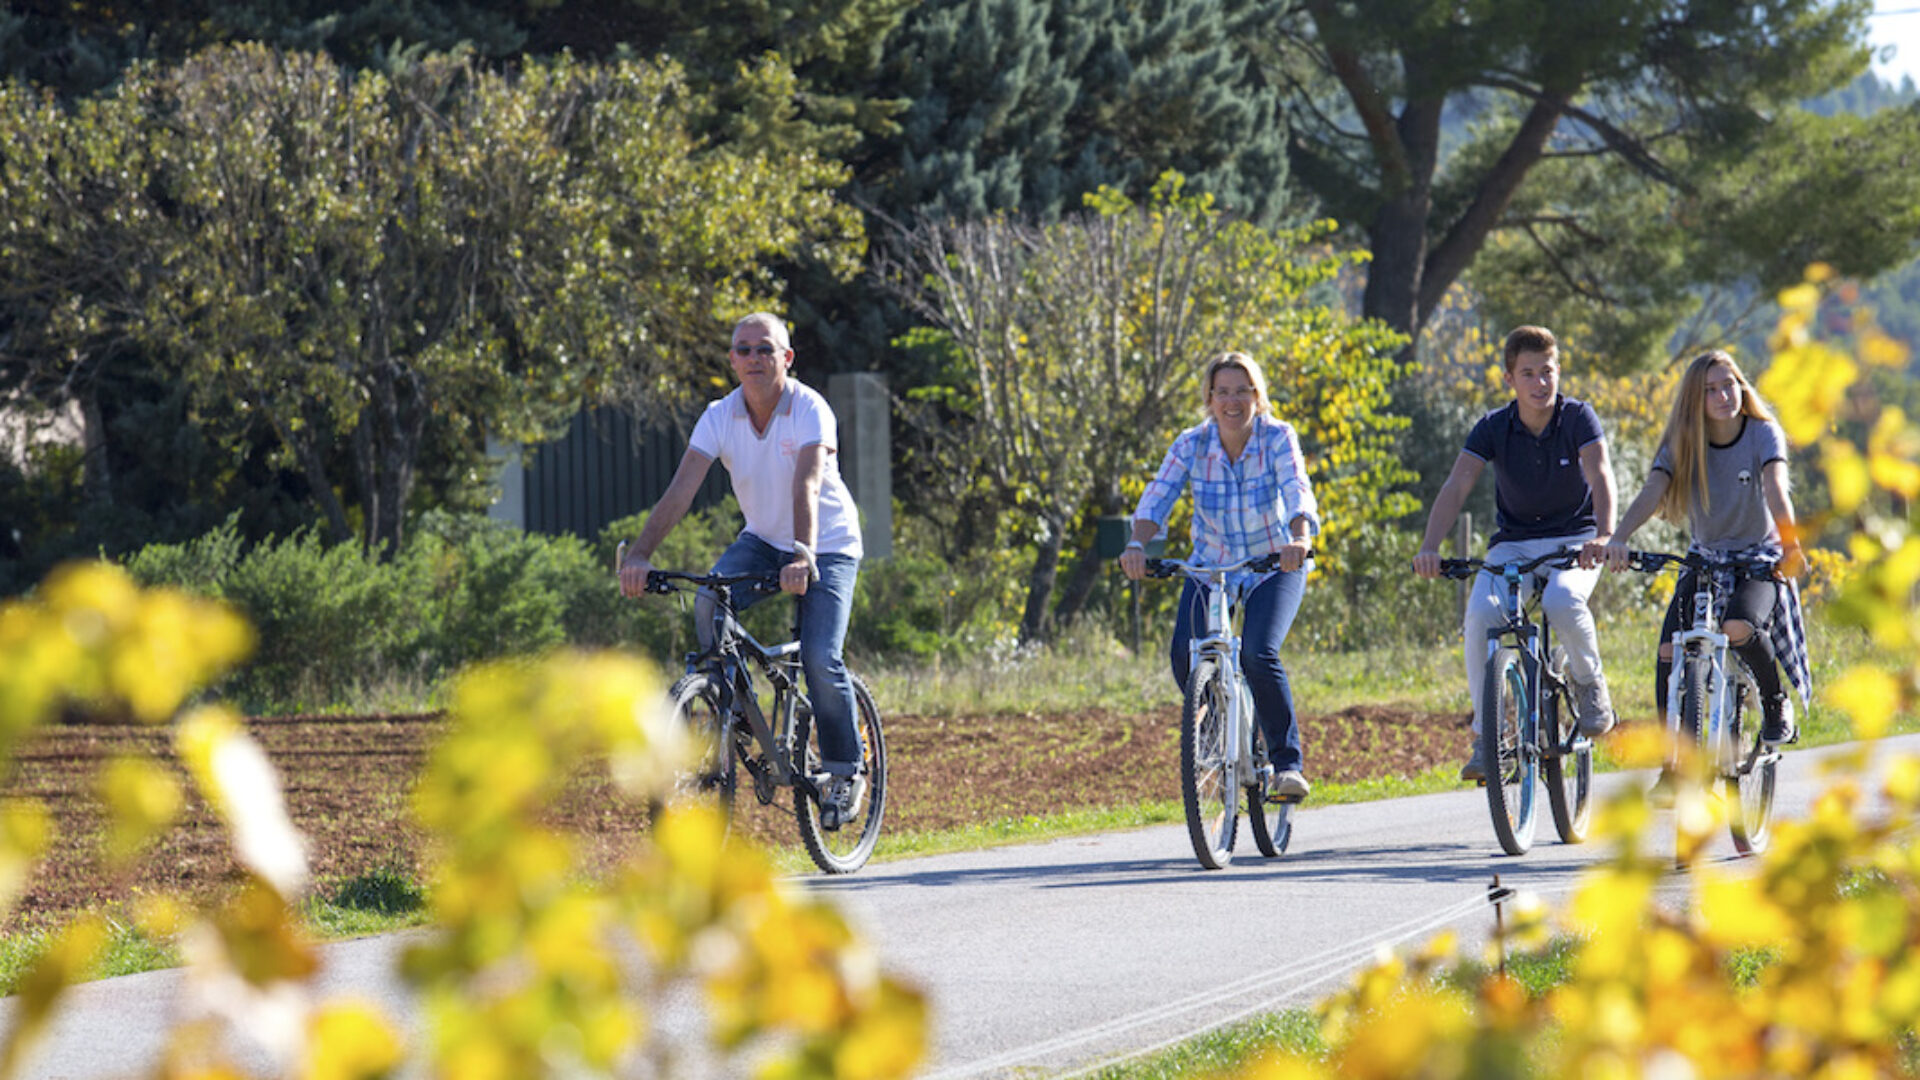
{"x": 1553, "y": 490}
{"x": 778, "y": 439}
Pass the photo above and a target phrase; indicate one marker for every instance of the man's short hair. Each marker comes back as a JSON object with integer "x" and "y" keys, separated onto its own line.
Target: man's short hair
{"x": 776, "y": 327}
{"x": 1528, "y": 339}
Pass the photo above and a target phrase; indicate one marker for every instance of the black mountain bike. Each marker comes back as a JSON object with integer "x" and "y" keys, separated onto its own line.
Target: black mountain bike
{"x": 1527, "y": 731}
{"x": 745, "y": 699}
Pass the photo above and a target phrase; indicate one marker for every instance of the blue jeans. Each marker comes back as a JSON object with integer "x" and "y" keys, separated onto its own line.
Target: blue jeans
{"x": 1269, "y": 612}
{"x": 824, "y": 612}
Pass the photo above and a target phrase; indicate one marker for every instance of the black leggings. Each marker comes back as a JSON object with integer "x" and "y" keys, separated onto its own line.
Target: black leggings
{"x": 1752, "y": 602}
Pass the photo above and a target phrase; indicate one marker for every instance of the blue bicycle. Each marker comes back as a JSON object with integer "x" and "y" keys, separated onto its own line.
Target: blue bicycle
{"x": 1527, "y": 730}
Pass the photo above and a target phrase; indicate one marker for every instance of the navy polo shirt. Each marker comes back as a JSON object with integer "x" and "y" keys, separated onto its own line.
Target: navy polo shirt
{"x": 1539, "y": 489}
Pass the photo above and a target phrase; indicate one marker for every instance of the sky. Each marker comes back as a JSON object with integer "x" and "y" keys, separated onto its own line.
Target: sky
{"x": 1896, "y": 23}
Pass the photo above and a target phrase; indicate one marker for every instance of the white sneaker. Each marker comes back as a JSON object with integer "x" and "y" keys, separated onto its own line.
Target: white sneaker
{"x": 1288, "y": 786}
{"x": 1592, "y": 706}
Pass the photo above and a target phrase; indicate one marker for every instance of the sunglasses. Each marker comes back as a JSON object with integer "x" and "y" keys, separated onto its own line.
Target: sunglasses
{"x": 755, "y": 350}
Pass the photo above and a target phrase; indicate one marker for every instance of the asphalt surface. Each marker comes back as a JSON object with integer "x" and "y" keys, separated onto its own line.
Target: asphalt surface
{"x": 1057, "y": 957}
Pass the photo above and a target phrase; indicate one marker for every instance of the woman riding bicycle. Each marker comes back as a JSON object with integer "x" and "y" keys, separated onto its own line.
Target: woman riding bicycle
{"x": 1251, "y": 497}
{"x": 1722, "y": 465}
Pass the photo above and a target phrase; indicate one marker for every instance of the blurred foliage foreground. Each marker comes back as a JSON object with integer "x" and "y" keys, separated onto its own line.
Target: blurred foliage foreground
{"x": 520, "y": 977}
{"x": 531, "y": 968}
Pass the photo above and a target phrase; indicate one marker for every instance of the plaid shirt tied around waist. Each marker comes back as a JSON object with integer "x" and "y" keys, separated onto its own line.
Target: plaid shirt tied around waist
{"x": 1240, "y": 509}
{"x": 1786, "y": 630}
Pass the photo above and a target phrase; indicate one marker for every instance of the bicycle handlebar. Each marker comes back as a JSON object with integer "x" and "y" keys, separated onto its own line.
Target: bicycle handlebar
{"x": 663, "y": 581}
{"x": 1463, "y": 568}
{"x": 1652, "y": 562}
{"x": 1259, "y": 564}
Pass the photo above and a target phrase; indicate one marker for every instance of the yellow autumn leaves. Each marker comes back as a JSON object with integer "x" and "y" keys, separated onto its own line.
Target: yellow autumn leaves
{"x": 1826, "y": 923}
{"x": 533, "y": 967}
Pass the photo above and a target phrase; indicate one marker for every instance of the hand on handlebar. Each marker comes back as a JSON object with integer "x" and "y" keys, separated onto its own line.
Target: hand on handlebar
{"x": 1427, "y": 563}
{"x": 1611, "y": 554}
{"x": 1133, "y": 563}
{"x": 633, "y": 569}
{"x": 1293, "y": 555}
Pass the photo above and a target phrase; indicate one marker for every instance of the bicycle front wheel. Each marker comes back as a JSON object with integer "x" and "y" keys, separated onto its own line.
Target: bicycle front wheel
{"x": 714, "y": 777}
{"x": 1207, "y": 786}
{"x": 1512, "y": 767}
{"x": 845, "y": 849}
{"x": 1272, "y": 823}
{"x": 1751, "y": 773}
{"x": 1568, "y": 773}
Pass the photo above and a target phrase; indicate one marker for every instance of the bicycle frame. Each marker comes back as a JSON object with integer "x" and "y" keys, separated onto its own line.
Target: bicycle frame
{"x": 1534, "y": 642}
{"x": 733, "y": 655}
{"x": 1221, "y": 644}
{"x": 1705, "y": 640}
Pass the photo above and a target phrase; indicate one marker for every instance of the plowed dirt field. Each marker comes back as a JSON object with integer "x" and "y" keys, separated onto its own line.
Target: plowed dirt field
{"x": 347, "y": 780}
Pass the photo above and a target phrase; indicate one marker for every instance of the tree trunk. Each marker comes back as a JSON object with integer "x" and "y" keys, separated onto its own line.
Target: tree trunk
{"x": 386, "y": 450}
{"x": 1035, "y": 626}
{"x": 96, "y": 473}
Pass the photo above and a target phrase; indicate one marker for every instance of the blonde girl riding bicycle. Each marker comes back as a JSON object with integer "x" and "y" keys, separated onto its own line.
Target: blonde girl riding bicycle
{"x": 1722, "y": 468}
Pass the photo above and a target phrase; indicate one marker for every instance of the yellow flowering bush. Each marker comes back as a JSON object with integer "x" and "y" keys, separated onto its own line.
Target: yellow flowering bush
{"x": 531, "y": 968}
{"x": 1833, "y": 905}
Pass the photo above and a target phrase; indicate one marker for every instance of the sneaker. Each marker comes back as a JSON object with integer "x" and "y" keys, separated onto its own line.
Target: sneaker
{"x": 837, "y": 799}
{"x": 1474, "y": 769}
{"x": 1593, "y": 706}
{"x": 1777, "y": 726}
{"x": 1288, "y": 786}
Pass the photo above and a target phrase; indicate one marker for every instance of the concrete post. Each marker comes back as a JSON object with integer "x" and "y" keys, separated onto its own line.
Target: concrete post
{"x": 864, "y": 410}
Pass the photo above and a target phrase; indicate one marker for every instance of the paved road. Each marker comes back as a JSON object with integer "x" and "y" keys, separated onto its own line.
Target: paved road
{"x": 1056, "y": 957}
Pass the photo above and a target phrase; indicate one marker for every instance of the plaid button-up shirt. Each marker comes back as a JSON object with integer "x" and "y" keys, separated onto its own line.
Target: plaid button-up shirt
{"x": 1240, "y": 509}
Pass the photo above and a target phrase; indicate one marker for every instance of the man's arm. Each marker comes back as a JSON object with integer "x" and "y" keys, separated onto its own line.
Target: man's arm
{"x": 667, "y": 512}
{"x": 1598, "y": 470}
{"x": 809, "y": 473}
{"x": 1446, "y": 510}
{"x": 1613, "y": 552}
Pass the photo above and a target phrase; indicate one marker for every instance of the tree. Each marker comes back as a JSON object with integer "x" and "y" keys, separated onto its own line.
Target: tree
{"x": 354, "y": 260}
{"x": 1082, "y": 342}
{"x": 1025, "y": 106}
{"x": 1673, "y": 91}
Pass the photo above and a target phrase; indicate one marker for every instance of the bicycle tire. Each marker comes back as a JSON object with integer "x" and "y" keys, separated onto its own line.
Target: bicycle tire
{"x": 1271, "y": 823}
{"x": 1569, "y": 789}
{"x": 1694, "y": 671}
{"x": 1512, "y": 771}
{"x": 846, "y": 849}
{"x": 1207, "y": 788}
{"x": 1751, "y": 785}
{"x": 714, "y": 778}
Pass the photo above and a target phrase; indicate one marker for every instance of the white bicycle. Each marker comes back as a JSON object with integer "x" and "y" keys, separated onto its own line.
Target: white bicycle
{"x": 1713, "y": 702}
{"x": 1223, "y": 752}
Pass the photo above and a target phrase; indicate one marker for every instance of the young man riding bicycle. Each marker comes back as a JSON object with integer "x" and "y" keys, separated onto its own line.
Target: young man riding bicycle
{"x": 778, "y": 439}
{"x": 1553, "y": 490}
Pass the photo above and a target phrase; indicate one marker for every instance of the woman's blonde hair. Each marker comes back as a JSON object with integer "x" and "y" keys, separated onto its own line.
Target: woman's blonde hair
{"x": 1686, "y": 434}
{"x": 1246, "y": 364}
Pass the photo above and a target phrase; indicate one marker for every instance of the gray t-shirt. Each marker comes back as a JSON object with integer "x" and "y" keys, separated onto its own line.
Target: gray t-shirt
{"x": 1739, "y": 518}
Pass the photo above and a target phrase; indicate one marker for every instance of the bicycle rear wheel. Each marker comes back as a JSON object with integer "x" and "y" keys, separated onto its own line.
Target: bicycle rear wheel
{"x": 714, "y": 777}
{"x": 1272, "y": 823}
{"x": 1569, "y": 775}
{"x": 1751, "y": 785}
{"x": 1512, "y": 767}
{"x": 1207, "y": 787}
{"x": 845, "y": 849}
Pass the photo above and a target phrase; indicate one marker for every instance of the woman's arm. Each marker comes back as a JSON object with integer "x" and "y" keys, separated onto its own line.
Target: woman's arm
{"x": 1773, "y": 485}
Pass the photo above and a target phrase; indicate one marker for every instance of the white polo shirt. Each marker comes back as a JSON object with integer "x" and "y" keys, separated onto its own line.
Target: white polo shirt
{"x": 762, "y": 466}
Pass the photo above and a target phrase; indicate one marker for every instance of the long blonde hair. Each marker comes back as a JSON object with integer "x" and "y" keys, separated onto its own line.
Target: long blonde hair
{"x": 1254, "y": 375}
{"x": 1686, "y": 434}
